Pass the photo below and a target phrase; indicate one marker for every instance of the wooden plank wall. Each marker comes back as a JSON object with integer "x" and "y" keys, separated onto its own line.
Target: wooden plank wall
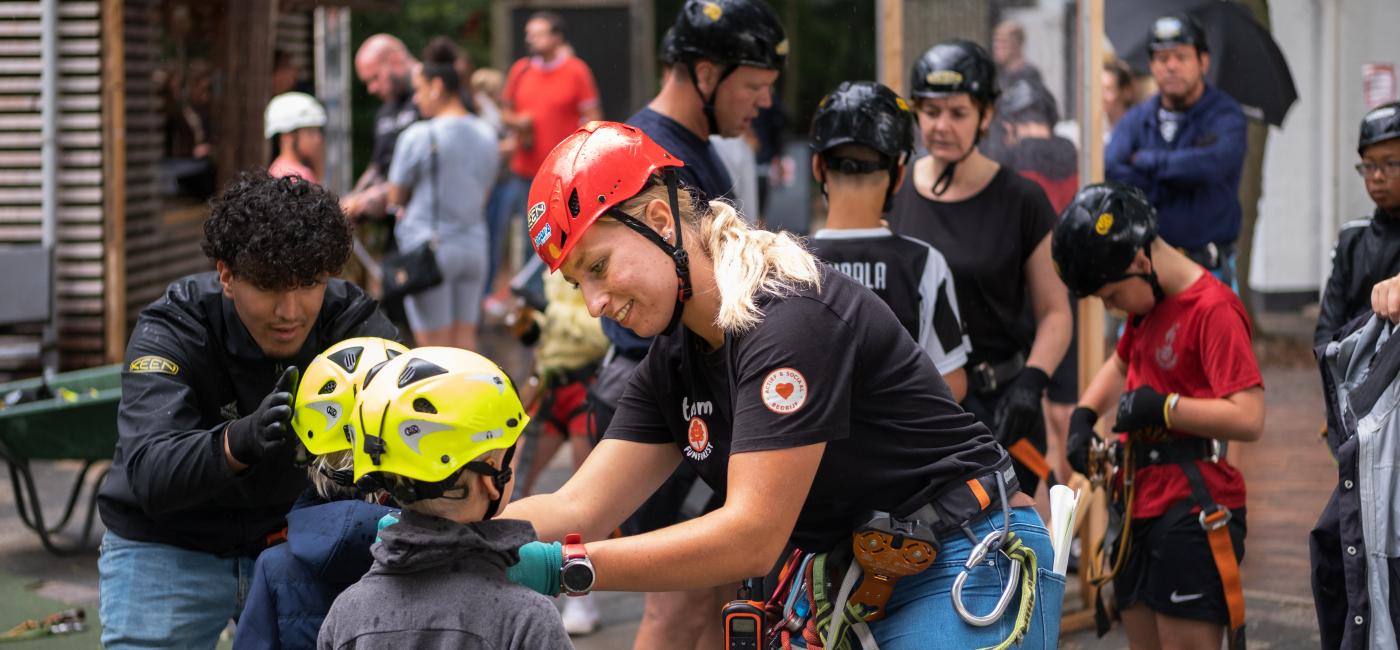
{"x": 79, "y": 274}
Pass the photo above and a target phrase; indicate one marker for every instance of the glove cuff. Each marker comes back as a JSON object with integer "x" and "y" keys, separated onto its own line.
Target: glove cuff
{"x": 1083, "y": 416}
{"x": 241, "y": 444}
{"x": 1034, "y": 377}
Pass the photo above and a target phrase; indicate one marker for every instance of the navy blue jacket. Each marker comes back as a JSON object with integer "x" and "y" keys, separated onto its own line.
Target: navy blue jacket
{"x": 1194, "y": 181}
{"x": 295, "y": 583}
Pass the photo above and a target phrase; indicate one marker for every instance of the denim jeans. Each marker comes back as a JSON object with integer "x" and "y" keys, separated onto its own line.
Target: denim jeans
{"x": 507, "y": 200}
{"x": 160, "y": 596}
{"x": 921, "y": 614}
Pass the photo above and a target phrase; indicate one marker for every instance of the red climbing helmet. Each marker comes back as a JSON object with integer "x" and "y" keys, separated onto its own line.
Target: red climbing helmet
{"x": 590, "y": 173}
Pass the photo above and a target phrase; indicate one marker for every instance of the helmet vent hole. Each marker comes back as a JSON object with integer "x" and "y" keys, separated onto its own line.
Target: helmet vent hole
{"x": 328, "y": 388}
{"x": 574, "y": 207}
{"x": 446, "y": 459}
{"x": 422, "y": 405}
{"x": 511, "y": 423}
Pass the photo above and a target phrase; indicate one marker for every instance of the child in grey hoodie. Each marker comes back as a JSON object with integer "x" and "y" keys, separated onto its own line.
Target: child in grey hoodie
{"x": 437, "y": 431}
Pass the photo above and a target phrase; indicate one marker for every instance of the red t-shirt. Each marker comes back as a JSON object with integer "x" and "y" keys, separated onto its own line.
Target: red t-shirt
{"x": 554, "y": 96}
{"x": 1197, "y": 344}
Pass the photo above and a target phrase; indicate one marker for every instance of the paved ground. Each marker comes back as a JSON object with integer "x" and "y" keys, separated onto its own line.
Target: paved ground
{"x": 1289, "y": 473}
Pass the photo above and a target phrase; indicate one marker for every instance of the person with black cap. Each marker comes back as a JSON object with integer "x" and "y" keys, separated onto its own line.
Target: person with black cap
{"x": 862, "y": 137}
{"x": 1184, "y": 148}
{"x": 1184, "y": 376}
{"x": 1368, "y": 250}
{"x": 993, "y": 227}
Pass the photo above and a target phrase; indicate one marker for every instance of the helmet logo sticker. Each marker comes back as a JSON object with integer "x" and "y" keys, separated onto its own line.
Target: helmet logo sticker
{"x": 1381, "y": 114}
{"x": 494, "y": 380}
{"x": 944, "y": 77}
{"x": 329, "y": 409}
{"x": 412, "y": 432}
{"x": 1104, "y": 223}
{"x": 542, "y": 236}
{"x": 1167, "y": 28}
{"x": 784, "y": 391}
{"x": 781, "y": 49}
{"x": 483, "y": 436}
{"x": 713, "y": 11}
{"x": 536, "y": 211}
{"x": 553, "y": 251}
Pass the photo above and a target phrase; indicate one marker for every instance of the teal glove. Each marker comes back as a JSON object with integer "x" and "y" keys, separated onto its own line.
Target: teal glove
{"x": 385, "y": 522}
{"x": 539, "y": 567}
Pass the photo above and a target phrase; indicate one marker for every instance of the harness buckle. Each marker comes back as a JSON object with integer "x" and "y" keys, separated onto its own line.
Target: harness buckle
{"x": 1215, "y": 519}
{"x": 988, "y": 376}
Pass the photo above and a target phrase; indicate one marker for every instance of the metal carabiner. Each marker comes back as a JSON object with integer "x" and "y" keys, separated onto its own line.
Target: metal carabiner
{"x": 992, "y": 542}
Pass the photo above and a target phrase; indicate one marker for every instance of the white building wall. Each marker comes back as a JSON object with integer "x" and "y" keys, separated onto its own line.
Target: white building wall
{"x": 1309, "y": 186}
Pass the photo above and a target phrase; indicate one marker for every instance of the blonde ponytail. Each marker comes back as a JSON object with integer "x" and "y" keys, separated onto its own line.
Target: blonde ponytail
{"x": 748, "y": 262}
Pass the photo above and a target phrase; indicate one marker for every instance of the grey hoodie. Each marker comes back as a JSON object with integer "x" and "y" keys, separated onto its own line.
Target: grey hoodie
{"x": 439, "y": 584}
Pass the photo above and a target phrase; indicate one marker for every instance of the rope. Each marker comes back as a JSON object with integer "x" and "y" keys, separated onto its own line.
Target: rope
{"x": 1017, "y": 551}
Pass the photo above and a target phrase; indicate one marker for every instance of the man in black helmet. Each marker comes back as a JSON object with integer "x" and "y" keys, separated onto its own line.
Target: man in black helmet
{"x": 862, "y": 137}
{"x": 1368, "y": 250}
{"x": 1184, "y": 375}
{"x": 721, "y": 59}
{"x": 1185, "y": 149}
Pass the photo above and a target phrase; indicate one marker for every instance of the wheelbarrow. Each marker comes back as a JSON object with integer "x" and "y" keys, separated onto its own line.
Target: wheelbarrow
{"x": 78, "y": 422}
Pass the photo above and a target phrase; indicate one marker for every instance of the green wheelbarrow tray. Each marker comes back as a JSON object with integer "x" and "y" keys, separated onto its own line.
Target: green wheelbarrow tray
{"x": 78, "y": 423}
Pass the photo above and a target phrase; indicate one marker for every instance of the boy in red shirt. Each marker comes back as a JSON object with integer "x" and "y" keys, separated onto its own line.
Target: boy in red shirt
{"x": 1187, "y": 376}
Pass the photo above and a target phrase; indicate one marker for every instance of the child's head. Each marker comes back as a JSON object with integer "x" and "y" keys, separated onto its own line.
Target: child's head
{"x": 862, "y": 135}
{"x": 325, "y": 400}
{"x": 436, "y": 428}
{"x": 1379, "y": 147}
{"x": 1103, "y": 247}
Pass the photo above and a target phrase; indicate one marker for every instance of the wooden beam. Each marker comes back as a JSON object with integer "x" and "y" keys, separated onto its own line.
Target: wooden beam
{"x": 245, "y": 66}
{"x": 114, "y": 181}
{"x": 889, "y": 34}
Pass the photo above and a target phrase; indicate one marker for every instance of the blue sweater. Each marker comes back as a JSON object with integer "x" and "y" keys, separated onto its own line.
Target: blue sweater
{"x": 1194, "y": 181}
{"x": 295, "y": 583}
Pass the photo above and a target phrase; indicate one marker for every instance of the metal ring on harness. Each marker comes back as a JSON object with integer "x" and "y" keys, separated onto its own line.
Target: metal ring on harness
{"x": 979, "y": 553}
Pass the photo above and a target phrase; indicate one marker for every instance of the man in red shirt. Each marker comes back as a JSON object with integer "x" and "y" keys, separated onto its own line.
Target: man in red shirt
{"x": 1187, "y": 376}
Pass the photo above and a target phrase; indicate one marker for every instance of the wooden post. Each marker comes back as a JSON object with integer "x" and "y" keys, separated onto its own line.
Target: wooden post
{"x": 889, "y": 37}
{"x": 1090, "y": 331}
{"x": 245, "y": 86}
{"x": 113, "y": 181}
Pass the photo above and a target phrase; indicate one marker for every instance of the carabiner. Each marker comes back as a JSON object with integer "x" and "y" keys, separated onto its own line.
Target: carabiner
{"x": 992, "y": 542}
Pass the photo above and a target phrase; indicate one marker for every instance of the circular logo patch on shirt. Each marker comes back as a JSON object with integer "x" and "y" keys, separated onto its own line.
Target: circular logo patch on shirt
{"x": 697, "y": 439}
{"x": 784, "y": 391}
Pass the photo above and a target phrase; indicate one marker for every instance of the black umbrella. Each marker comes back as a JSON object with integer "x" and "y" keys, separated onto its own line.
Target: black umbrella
{"x": 1244, "y": 59}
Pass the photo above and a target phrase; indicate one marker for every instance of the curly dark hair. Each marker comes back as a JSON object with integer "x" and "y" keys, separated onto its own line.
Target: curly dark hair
{"x": 277, "y": 233}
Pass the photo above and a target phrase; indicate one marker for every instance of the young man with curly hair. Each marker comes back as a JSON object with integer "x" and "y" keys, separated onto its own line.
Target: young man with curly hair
{"x": 204, "y": 471}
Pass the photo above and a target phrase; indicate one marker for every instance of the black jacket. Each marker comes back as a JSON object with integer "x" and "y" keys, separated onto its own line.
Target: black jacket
{"x": 1368, "y": 251}
{"x": 192, "y": 367}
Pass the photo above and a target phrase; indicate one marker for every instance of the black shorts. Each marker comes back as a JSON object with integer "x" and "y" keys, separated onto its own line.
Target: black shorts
{"x": 1064, "y": 382}
{"x": 1171, "y": 570}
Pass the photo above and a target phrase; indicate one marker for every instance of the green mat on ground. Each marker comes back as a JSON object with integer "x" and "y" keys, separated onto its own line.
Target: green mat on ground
{"x": 19, "y": 602}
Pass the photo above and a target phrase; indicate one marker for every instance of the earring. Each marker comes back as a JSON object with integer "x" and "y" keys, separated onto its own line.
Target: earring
{"x": 667, "y": 234}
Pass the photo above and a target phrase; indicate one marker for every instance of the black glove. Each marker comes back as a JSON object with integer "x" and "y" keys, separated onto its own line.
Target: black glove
{"x": 1020, "y": 410}
{"x": 1081, "y": 435}
{"x": 1142, "y": 409}
{"x": 266, "y": 432}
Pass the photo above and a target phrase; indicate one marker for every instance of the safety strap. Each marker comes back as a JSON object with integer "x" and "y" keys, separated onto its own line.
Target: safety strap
{"x": 1025, "y": 453}
{"x": 1017, "y": 551}
{"x": 1215, "y": 519}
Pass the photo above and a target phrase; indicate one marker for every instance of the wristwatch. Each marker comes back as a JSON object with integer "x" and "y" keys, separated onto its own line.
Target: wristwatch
{"x": 576, "y": 574}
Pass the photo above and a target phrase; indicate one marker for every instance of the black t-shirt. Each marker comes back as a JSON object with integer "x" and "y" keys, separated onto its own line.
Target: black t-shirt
{"x": 830, "y": 366}
{"x": 393, "y": 117}
{"x": 986, "y": 240}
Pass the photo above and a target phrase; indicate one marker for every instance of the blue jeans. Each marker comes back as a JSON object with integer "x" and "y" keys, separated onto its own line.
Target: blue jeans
{"x": 507, "y": 200}
{"x": 159, "y": 596}
{"x": 921, "y": 613}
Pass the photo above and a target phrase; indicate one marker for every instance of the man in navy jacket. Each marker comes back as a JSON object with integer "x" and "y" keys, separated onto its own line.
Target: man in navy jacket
{"x": 1185, "y": 149}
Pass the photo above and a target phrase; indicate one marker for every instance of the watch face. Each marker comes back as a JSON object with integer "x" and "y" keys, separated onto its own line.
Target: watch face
{"x": 577, "y": 577}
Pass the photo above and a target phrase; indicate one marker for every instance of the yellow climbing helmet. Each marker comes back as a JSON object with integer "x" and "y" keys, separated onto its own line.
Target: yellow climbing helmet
{"x": 427, "y": 415}
{"x": 326, "y": 395}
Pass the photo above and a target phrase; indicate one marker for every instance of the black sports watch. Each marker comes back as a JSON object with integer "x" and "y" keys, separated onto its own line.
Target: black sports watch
{"x": 576, "y": 574}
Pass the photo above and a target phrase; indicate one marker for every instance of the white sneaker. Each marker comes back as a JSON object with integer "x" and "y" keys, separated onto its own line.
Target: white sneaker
{"x": 580, "y": 615}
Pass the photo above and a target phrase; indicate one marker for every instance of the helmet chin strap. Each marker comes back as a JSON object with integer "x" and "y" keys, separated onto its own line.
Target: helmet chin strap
{"x": 1158, "y": 295}
{"x": 945, "y": 179}
{"x": 684, "y": 290}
